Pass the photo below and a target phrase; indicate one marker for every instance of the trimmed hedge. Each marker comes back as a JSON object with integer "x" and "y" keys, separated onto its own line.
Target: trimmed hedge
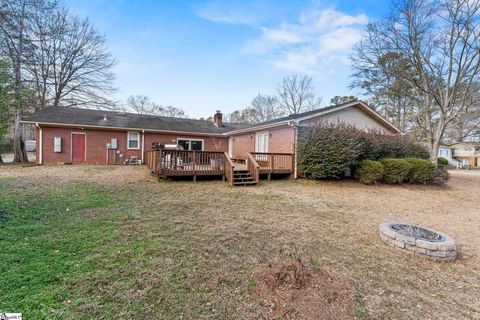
{"x": 442, "y": 161}
{"x": 395, "y": 170}
{"x": 421, "y": 170}
{"x": 369, "y": 171}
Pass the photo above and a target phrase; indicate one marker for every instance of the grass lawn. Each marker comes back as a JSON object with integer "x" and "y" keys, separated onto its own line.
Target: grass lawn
{"x": 81, "y": 242}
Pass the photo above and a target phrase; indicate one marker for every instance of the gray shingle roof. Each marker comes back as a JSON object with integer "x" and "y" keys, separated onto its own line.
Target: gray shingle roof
{"x": 89, "y": 117}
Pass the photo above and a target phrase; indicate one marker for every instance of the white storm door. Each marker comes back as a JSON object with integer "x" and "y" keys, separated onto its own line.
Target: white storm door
{"x": 261, "y": 142}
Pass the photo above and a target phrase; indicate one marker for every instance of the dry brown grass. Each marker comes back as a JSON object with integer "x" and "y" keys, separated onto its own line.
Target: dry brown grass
{"x": 212, "y": 237}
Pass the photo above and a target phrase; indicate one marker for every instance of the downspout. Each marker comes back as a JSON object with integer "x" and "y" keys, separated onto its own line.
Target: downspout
{"x": 40, "y": 144}
{"x": 143, "y": 144}
{"x": 294, "y": 125}
{"x": 295, "y": 174}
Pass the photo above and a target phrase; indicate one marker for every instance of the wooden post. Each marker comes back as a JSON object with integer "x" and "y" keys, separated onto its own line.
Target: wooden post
{"x": 193, "y": 167}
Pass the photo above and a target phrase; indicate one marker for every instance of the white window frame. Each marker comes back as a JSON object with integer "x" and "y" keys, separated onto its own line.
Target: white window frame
{"x": 190, "y": 144}
{"x": 138, "y": 140}
{"x": 267, "y": 141}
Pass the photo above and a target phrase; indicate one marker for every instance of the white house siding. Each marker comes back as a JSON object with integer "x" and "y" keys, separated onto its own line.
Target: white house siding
{"x": 354, "y": 116}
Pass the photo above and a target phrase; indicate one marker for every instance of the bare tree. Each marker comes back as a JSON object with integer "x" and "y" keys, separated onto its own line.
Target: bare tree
{"x": 247, "y": 115}
{"x": 62, "y": 59}
{"x": 440, "y": 40}
{"x": 466, "y": 127}
{"x": 71, "y": 65}
{"x": 296, "y": 94}
{"x": 142, "y": 104}
{"x": 171, "y": 111}
{"x": 265, "y": 108}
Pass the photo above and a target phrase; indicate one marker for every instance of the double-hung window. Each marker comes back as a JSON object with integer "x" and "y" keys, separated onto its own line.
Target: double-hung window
{"x": 191, "y": 144}
{"x": 133, "y": 140}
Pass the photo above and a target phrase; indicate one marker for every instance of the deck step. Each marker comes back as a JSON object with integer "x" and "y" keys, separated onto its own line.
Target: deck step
{"x": 242, "y": 175}
{"x": 244, "y": 180}
{"x": 243, "y": 183}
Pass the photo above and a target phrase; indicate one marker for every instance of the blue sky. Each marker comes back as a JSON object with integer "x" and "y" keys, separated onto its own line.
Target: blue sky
{"x": 208, "y": 55}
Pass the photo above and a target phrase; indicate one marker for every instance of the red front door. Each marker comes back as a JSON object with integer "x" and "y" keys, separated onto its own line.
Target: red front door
{"x": 78, "y": 147}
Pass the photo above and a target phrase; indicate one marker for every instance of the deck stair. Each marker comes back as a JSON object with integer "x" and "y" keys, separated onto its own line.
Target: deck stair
{"x": 243, "y": 178}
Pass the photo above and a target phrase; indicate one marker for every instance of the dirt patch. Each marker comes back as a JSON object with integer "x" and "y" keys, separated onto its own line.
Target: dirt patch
{"x": 289, "y": 289}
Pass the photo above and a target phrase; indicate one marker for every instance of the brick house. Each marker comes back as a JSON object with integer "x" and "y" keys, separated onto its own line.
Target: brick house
{"x": 72, "y": 135}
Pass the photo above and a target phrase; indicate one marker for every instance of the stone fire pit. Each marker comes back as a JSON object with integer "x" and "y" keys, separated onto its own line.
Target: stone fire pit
{"x": 420, "y": 241}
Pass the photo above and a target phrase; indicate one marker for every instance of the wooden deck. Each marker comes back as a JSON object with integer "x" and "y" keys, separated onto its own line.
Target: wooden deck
{"x": 174, "y": 163}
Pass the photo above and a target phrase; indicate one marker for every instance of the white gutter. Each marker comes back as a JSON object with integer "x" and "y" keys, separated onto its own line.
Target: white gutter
{"x": 40, "y": 144}
{"x": 143, "y": 144}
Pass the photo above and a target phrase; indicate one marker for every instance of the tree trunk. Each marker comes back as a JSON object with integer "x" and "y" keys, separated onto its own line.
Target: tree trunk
{"x": 20, "y": 153}
{"x": 435, "y": 142}
{"x": 1, "y": 159}
{"x": 435, "y": 145}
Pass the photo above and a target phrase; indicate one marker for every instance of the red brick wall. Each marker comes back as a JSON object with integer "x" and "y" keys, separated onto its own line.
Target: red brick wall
{"x": 96, "y": 141}
{"x": 243, "y": 144}
{"x": 281, "y": 140}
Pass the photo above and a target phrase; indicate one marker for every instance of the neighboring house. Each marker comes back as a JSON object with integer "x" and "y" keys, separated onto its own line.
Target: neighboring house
{"x": 468, "y": 153}
{"x": 74, "y": 135}
{"x": 447, "y": 153}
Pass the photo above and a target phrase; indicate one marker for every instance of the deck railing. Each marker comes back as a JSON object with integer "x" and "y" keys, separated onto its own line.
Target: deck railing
{"x": 152, "y": 156}
{"x": 274, "y": 162}
{"x": 229, "y": 167}
{"x": 188, "y": 163}
{"x": 253, "y": 167}
{"x": 165, "y": 163}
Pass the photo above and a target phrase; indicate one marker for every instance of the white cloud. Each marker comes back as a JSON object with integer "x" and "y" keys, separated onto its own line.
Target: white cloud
{"x": 318, "y": 40}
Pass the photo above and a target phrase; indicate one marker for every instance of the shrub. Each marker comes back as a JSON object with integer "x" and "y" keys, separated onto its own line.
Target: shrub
{"x": 395, "y": 170}
{"x": 442, "y": 161}
{"x": 369, "y": 171}
{"x": 380, "y": 146}
{"x": 422, "y": 170}
{"x": 328, "y": 151}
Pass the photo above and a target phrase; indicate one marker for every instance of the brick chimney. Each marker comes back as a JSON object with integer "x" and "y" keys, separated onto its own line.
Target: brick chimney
{"x": 217, "y": 119}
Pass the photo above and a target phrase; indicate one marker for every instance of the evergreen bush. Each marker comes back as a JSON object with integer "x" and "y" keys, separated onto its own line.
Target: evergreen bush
{"x": 369, "y": 171}
{"x": 395, "y": 170}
